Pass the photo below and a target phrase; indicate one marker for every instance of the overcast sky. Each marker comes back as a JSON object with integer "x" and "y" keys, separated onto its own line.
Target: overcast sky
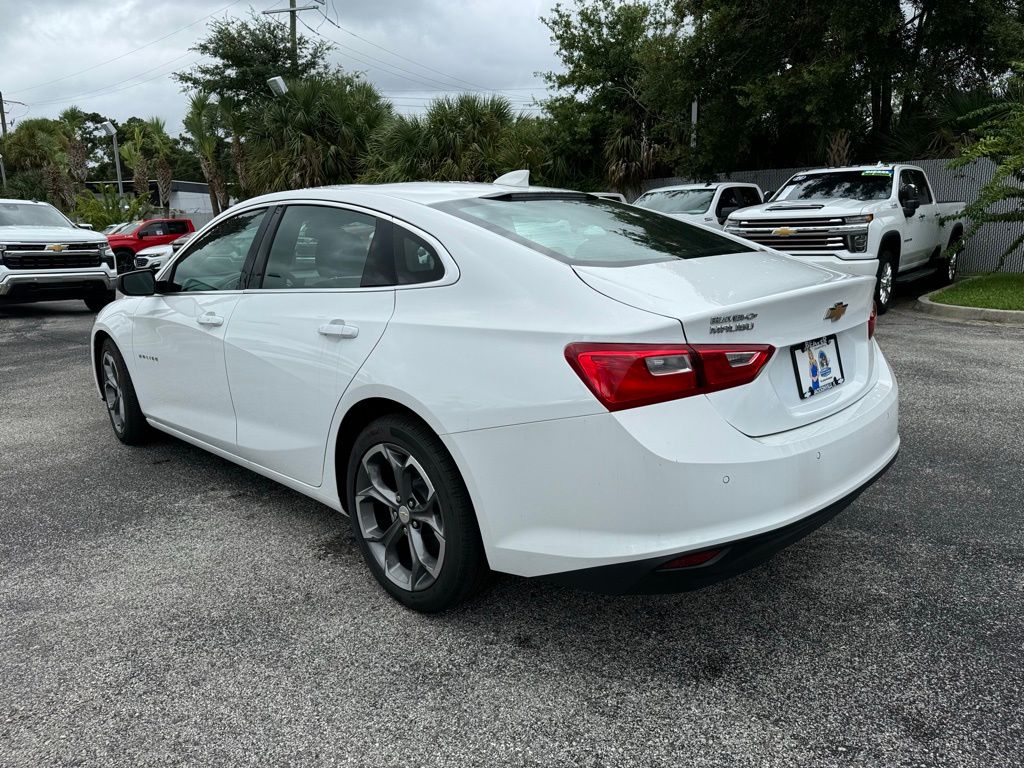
{"x": 58, "y": 53}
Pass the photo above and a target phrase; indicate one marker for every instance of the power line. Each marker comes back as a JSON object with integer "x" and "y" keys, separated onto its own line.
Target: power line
{"x": 108, "y": 92}
{"x": 99, "y": 91}
{"x": 129, "y": 53}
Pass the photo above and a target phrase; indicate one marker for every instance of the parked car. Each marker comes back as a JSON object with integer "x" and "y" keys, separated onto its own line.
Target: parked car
{"x": 156, "y": 256}
{"x": 878, "y": 220}
{"x": 44, "y": 256}
{"x": 137, "y": 235}
{"x": 502, "y": 376}
{"x": 706, "y": 204}
{"x": 112, "y": 228}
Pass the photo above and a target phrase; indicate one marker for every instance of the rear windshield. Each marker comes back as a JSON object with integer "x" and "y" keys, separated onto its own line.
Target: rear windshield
{"x": 871, "y": 184}
{"x": 677, "y": 200}
{"x": 586, "y": 231}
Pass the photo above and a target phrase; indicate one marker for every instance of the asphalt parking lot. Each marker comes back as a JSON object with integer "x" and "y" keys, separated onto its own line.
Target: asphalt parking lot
{"x": 160, "y": 606}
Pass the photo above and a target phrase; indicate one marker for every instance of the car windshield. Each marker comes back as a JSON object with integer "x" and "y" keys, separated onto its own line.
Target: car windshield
{"x": 870, "y": 184}
{"x": 31, "y": 215}
{"x": 586, "y": 231}
{"x": 128, "y": 228}
{"x": 677, "y": 200}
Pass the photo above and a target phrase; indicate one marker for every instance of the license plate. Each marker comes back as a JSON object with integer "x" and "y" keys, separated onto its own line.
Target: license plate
{"x": 817, "y": 365}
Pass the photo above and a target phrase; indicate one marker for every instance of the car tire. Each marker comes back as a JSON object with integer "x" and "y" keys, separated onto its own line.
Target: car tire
{"x": 946, "y": 267}
{"x": 412, "y": 517}
{"x": 124, "y": 258}
{"x": 885, "y": 281}
{"x": 126, "y": 419}
{"x": 99, "y": 301}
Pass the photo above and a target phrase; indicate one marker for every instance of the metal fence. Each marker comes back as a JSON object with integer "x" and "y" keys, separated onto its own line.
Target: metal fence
{"x": 983, "y": 250}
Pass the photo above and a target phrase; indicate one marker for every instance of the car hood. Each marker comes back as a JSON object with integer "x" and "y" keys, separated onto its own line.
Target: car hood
{"x": 156, "y": 250}
{"x": 13, "y": 234}
{"x": 807, "y": 208}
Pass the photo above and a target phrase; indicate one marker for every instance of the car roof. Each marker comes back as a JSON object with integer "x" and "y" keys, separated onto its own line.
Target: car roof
{"x": 6, "y": 200}
{"x": 711, "y": 185}
{"x": 422, "y": 192}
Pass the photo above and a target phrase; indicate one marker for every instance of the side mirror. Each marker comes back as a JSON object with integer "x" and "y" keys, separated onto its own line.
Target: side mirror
{"x": 141, "y": 236}
{"x": 909, "y": 199}
{"x": 138, "y": 283}
{"x": 724, "y": 213}
{"x": 767, "y": 195}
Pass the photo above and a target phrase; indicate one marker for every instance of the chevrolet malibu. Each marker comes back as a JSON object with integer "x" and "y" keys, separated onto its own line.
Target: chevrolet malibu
{"x": 511, "y": 378}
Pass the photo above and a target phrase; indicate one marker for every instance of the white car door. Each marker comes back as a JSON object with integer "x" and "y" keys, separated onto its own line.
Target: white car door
{"x": 919, "y": 231}
{"x": 178, "y": 334}
{"x": 295, "y": 342}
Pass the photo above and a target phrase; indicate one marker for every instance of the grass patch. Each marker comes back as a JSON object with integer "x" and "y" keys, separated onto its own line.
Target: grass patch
{"x": 996, "y": 291}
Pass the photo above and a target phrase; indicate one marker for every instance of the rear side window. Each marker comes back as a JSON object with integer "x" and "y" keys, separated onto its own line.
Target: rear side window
{"x": 584, "y": 231}
{"x": 416, "y": 260}
{"x": 177, "y": 227}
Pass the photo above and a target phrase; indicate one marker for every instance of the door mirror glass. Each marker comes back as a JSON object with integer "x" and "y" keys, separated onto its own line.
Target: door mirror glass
{"x": 139, "y": 283}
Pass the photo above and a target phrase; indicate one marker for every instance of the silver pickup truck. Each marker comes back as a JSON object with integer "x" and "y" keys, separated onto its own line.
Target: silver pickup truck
{"x": 44, "y": 256}
{"x": 880, "y": 220}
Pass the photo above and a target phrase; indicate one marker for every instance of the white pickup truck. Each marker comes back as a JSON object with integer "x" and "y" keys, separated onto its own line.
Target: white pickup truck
{"x": 44, "y": 256}
{"x": 706, "y": 204}
{"x": 881, "y": 220}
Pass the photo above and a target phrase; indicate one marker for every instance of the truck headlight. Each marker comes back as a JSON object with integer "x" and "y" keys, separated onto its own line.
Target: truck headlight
{"x": 107, "y": 254}
{"x": 859, "y": 243}
{"x": 867, "y": 218}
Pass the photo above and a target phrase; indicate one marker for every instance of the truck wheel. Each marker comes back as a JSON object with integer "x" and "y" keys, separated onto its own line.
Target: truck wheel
{"x": 885, "y": 282}
{"x": 100, "y": 300}
{"x": 946, "y": 272}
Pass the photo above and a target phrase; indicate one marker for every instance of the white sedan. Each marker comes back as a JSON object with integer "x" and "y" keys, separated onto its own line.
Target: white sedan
{"x": 514, "y": 378}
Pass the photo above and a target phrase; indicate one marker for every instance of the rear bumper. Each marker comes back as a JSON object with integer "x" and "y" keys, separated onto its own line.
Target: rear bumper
{"x": 644, "y": 576}
{"x": 50, "y": 286}
{"x": 642, "y": 486}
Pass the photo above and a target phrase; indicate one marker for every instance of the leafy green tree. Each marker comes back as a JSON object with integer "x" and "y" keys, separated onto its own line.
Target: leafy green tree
{"x": 107, "y": 207}
{"x": 315, "y": 134}
{"x": 999, "y": 138}
{"x": 245, "y": 53}
{"x": 161, "y": 147}
{"x": 463, "y": 138}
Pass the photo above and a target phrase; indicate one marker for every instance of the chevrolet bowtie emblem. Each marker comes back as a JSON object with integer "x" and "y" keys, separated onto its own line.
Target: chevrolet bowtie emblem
{"x": 836, "y": 311}
{"x": 784, "y": 231}
{"x": 56, "y": 247}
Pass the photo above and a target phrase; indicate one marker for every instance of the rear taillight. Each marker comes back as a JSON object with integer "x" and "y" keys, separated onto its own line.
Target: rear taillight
{"x": 631, "y": 375}
{"x": 692, "y": 560}
{"x": 872, "y": 319}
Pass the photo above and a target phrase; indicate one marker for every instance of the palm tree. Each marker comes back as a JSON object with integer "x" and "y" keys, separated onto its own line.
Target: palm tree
{"x": 72, "y": 119}
{"x": 162, "y": 147}
{"x": 236, "y": 121}
{"x": 134, "y": 152}
{"x": 201, "y": 125}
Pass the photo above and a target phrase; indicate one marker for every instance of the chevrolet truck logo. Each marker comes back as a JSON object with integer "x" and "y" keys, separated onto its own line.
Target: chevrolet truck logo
{"x": 56, "y": 247}
{"x": 784, "y": 231}
{"x": 836, "y": 311}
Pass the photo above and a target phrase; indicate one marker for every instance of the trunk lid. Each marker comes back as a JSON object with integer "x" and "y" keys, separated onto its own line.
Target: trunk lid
{"x": 758, "y": 298}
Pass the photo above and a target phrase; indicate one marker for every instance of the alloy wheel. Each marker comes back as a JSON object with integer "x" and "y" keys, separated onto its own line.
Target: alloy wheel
{"x": 112, "y": 393}
{"x": 951, "y": 266}
{"x": 885, "y": 283}
{"x": 399, "y": 516}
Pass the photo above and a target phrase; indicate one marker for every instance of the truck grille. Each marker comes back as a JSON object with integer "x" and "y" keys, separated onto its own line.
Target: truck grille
{"x": 806, "y": 235}
{"x": 35, "y": 256}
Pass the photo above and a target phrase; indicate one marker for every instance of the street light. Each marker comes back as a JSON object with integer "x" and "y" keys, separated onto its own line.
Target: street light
{"x": 111, "y": 131}
{"x": 277, "y": 86}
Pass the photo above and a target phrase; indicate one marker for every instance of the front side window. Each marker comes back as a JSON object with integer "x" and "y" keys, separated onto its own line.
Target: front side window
{"x": 585, "y": 231}
{"x": 691, "y": 201}
{"x": 748, "y": 196}
{"x": 217, "y": 262}
{"x": 869, "y": 184}
{"x": 318, "y": 246}
{"x": 156, "y": 229}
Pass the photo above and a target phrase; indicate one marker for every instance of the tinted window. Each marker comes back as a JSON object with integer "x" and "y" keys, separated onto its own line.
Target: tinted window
{"x": 870, "y": 184}
{"x": 217, "y": 261}
{"x": 417, "y": 261}
{"x": 730, "y": 199}
{"x": 748, "y": 196}
{"x": 321, "y": 247}
{"x": 677, "y": 200}
{"x": 588, "y": 231}
{"x": 177, "y": 227}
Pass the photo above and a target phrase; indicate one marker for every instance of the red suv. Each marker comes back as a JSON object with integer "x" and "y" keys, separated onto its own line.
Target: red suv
{"x": 143, "y": 234}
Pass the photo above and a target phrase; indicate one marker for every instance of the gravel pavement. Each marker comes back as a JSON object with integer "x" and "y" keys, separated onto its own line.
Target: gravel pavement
{"x": 160, "y": 606}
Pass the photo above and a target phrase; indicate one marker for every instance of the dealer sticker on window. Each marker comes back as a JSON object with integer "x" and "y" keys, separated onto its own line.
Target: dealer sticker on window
{"x": 818, "y": 366}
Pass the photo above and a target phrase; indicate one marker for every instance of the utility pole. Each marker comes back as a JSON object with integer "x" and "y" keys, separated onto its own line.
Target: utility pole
{"x": 3, "y": 116}
{"x": 293, "y": 13}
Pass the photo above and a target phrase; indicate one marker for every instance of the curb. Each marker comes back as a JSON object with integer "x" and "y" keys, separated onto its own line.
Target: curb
{"x": 953, "y": 312}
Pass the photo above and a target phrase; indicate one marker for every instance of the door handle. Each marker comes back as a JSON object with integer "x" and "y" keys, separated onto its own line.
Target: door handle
{"x": 921, "y": 216}
{"x": 210, "y": 319}
{"x": 340, "y": 329}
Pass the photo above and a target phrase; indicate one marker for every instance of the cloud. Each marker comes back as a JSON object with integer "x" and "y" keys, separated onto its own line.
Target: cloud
{"x": 411, "y": 50}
